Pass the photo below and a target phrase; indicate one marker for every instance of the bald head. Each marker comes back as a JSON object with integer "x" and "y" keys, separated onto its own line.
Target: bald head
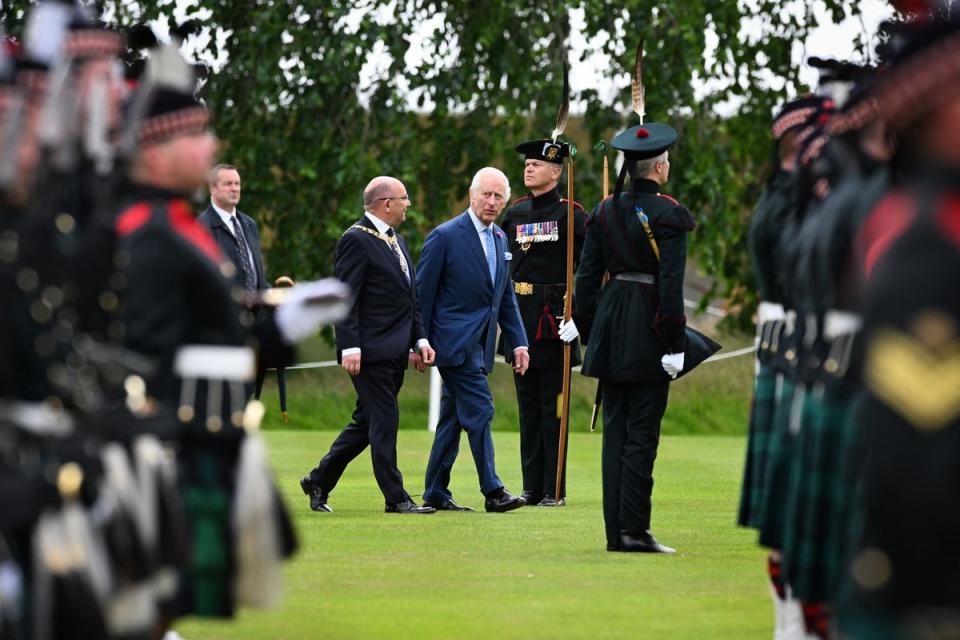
{"x": 386, "y": 198}
{"x": 381, "y": 187}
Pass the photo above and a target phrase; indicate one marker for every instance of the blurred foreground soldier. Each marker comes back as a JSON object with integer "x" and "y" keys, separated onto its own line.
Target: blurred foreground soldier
{"x": 536, "y": 231}
{"x": 905, "y": 574}
{"x": 637, "y": 339}
{"x": 373, "y": 343}
{"x": 182, "y": 311}
{"x": 465, "y": 293}
{"x": 764, "y": 244}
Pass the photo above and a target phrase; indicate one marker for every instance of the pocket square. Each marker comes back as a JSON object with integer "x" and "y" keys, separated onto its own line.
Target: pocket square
{"x": 507, "y": 256}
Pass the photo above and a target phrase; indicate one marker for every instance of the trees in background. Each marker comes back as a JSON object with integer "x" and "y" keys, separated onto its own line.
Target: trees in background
{"x": 315, "y": 98}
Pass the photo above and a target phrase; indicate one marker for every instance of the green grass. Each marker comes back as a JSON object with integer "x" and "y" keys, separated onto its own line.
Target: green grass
{"x": 532, "y": 573}
{"x": 712, "y": 399}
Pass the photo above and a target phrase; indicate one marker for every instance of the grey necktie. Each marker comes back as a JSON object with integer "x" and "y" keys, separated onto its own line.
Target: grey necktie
{"x": 249, "y": 276}
{"x": 396, "y": 250}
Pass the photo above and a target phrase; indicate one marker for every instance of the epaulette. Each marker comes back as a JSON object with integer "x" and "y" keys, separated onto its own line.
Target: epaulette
{"x": 526, "y": 197}
{"x": 181, "y": 220}
{"x": 132, "y": 219}
{"x": 670, "y": 198}
{"x": 575, "y": 203}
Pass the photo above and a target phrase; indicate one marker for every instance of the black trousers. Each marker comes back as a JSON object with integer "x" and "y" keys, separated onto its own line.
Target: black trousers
{"x": 538, "y": 394}
{"x": 631, "y": 433}
{"x": 374, "y": 422}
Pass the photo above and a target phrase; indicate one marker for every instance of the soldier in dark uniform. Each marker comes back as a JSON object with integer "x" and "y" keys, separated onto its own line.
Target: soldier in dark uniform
{"x": 184, "y": 308}
{"x": 777, "y": 204}
{"x": 536, "y": 228}
{"x": 904, "y": 578}
{"x": 637, "y": 338}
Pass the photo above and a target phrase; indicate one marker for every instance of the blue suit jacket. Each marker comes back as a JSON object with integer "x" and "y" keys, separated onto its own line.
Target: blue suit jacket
{"x": 460, "y": 305}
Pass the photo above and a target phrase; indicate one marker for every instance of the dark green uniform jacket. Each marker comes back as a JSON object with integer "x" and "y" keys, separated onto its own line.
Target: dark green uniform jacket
{"x": 536, "y": 228}
{"x": 632, "y": 324}
{"x": 763, "y": 240}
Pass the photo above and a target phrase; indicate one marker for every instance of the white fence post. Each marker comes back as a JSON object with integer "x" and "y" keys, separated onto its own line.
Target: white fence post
{"x": 433, "y": 412}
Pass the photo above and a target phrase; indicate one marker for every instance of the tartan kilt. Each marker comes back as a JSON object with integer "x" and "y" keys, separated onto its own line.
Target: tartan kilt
{"x": 813, "y": 470}
{"x": 753, "y": 490}
{"x": 777, "y": 472}
{"x": 846, "y": 517}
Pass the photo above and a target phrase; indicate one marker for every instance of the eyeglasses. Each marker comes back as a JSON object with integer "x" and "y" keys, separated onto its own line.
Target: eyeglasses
{"x": 404, "y": 197}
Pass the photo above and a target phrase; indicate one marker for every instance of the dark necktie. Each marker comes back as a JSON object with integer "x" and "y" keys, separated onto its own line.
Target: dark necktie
{"x": 249, "y": 277}
{"x": 392, "y": 241}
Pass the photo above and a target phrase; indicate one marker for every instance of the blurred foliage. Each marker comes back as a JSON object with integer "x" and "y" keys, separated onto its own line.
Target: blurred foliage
{"x": 291, "y": 111}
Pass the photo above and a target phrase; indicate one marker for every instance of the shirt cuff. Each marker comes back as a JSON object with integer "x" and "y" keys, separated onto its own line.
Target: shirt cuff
{"x": 352, "y": 351}
{"x": 521, "y": 349}
{"x": 421, "y": 343}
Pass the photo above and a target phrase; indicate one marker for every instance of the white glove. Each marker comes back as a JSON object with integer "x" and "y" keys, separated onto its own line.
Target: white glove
{"x": 672, "y": 363}
{"x": 568, "y": 331}
{"x": 310, "y": 305}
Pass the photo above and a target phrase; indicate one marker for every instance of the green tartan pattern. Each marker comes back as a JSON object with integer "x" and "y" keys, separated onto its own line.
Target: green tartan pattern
{"x": 753, "y": 493}
{"x": 846, "y": 516}
{"x": 776, "y": 475}
{"x": 809, "y": 497}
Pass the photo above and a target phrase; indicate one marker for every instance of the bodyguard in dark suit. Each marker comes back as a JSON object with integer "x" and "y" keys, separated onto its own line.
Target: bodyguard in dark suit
{"x": 465, "y": 292}
{"x": 373, "y": 344}
{"x": 637, "y": 338}
{"x": 235, "y": 232}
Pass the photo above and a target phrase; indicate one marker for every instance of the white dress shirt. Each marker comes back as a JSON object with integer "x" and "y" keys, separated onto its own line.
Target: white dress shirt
{"x": 227, "y": 217}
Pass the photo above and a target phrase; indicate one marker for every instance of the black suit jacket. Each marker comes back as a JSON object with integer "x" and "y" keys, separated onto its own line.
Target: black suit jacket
{"x": 385, "y": 319}
{"x": 224, "y": 237}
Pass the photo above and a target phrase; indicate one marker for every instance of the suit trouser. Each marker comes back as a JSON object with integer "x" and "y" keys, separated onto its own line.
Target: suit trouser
{"x": 537, "y": 399}
{"x": 631, "y": 433}
{"x": 375, "y": 421}
{"x": 466, "y": 404}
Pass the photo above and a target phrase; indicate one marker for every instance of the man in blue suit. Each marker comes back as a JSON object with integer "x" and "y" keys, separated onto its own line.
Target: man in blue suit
{"x": 465, "y": 291}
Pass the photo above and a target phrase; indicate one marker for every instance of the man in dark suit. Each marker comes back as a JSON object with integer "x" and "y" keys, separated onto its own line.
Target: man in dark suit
{"x": 465, "y": 291}
{"x": 380, "y": 332}
{"x": 235, "y": 232}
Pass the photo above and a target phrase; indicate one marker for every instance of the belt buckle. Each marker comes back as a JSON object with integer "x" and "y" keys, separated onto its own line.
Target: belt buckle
{"x": 523, "y": 288}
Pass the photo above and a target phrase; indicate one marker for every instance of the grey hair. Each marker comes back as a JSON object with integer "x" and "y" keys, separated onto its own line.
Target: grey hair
{"x": 214, "y": 176}
{"x": 643, "y": 168}
{"x": 475, "y": 184}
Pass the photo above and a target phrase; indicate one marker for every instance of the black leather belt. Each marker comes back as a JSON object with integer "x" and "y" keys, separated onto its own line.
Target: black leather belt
{"x": 632, "y": 276}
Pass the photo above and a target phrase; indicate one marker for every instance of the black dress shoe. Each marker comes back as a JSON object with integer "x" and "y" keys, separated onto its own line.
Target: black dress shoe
{"x": 642, "y": 542}
{"x": 531, "y": 497}
{"x": 548, "y": 501}
{"x": 408, "y": 506}
{"x": 446, "y": 505}
{"x": 318, "y": 499}
{"x": 502, "y": 502}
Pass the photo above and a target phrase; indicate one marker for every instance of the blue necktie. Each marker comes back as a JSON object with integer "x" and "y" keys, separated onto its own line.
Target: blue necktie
{"x": 491, "y": 254}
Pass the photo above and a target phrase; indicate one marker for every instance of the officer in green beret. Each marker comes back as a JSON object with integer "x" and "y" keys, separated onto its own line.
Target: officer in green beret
{"x": 637, "y": 340}
{"x": 536, "y": 228}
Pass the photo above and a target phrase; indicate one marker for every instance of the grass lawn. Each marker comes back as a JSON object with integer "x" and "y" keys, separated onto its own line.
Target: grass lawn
{"x": 532, "y": 573}
{"x": 713, "y": 399}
